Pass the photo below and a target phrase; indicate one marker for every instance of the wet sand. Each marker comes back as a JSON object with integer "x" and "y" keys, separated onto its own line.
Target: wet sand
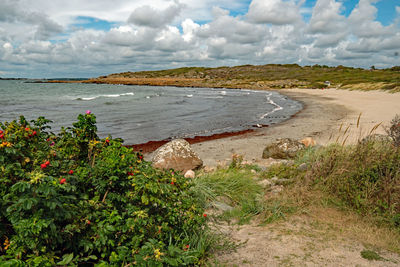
{"x": 324, "y": 111}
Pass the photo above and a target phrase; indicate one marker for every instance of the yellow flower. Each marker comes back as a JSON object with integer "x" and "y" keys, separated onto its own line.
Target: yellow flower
{"x": 5, "y": 144}
{"x": 158, "y": 254}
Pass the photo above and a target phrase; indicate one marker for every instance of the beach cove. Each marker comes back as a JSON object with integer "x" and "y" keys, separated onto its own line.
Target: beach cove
{"x": 323, "y": 114}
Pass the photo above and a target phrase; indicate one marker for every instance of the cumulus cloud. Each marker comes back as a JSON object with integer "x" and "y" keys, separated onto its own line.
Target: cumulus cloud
{"x": 274, "y": 11}
{"x": 363, "y": 23}
{"x": 154, "y": 18}
{"x": 44, "y": 27}
{"x": 326, "y": 17}
{"x": 38, "y": 38}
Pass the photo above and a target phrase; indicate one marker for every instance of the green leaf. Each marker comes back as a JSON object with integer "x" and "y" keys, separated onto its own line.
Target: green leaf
{"x": 145, "y": 200}
{"x": 110, "y": 228}
{"x": 67, "y": 258}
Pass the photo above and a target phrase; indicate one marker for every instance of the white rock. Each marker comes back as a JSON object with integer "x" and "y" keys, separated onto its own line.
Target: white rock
{"x": 265, "y": 183}
{"x": 190, "y": 174}
{"x": 177, "y": 155}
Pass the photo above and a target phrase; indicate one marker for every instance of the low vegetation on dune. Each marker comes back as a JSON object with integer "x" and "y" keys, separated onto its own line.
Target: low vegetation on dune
{"x": 355, "y": 187}
{"x": 271, "y": 76}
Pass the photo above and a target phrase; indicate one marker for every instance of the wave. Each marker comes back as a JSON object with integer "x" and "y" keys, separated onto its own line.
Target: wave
{"x": 277, "y": 107}
{"x": 105, "y": 96}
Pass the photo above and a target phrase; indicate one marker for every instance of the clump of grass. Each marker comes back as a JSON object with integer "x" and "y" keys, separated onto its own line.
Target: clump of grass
{"x": 235, "y": 186}
{"x": 366, "y": 176}
{"x": 371, "y": 255}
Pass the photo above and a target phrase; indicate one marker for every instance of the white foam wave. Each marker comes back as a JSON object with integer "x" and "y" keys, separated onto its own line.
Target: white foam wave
{"x": 87, "y": 98}
{"x": 270, "y": 101}
{"x": 106, "y": 96}
{"x": 111, "y": 95}
{"x": 189, "y": 96}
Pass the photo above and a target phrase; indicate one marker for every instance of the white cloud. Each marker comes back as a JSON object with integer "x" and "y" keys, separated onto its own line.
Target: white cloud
{"x": 38, "y": 38}
{"x": 43, "y": 27}
{"x": 274, "y": 12}
{"x": 326, "y": 17}
{"x": 362, "y": 21}
{"x": 154, "y": 18}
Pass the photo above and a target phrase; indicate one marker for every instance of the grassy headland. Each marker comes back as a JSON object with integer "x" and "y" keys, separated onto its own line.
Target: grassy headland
{"x": 272, "y": 76}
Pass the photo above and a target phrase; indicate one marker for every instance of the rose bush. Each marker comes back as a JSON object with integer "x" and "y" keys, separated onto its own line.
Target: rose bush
{"x": 73, "y": 198}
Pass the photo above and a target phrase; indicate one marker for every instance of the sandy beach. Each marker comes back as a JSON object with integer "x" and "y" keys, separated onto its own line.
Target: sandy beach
{"x": 323, "y": 114}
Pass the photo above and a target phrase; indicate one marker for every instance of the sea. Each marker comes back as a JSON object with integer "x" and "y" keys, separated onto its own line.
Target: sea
{"x": 139, "y": 114}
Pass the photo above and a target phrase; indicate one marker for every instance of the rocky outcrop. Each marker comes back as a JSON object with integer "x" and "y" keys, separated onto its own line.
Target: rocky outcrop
{"x": 284, "y": 148}
{"x": 177, "y": 155}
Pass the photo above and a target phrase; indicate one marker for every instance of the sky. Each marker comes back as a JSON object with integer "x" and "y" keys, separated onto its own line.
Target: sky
{"x": 89, "y": 38}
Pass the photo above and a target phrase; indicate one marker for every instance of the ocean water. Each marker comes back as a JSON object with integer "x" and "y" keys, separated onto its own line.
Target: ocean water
{"x": 139, "y": 114}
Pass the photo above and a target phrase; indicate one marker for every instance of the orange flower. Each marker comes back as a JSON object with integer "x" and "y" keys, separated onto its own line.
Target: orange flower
{"x": 6, "y": 244}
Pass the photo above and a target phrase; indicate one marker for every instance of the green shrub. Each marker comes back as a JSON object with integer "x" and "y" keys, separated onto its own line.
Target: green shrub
{"x": 394, "y": 130}
{"x": 74, "y": 198}
{"x": 366, "y": 176}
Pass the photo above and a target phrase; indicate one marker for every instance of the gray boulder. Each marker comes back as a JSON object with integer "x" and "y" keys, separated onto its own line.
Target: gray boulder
{"x": 284, "y": 148}
{"x": 177, "y": 155}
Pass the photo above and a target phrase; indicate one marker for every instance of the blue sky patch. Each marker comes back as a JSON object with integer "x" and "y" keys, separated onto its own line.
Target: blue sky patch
{"x": 93, "y": 23}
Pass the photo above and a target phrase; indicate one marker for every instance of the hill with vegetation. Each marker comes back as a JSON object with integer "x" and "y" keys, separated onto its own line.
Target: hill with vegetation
{"x": 272, "y": 76}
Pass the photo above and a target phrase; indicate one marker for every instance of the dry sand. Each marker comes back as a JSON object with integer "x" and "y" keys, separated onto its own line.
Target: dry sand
{"x": 324, "y": 111}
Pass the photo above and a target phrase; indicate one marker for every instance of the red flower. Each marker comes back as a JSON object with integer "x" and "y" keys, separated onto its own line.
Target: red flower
{"x": 43, "y": 166}
{"x": 63, "y": 181}
{"x": 140, "y": 157}
{"x": 172, "y": 183}
{"x": 107, "y": 141}
{"x": 204, "y": 215}
{"x": 1, "y": 132}
{"x": 88, "y": 222}
{"x": 71, "y": 172}
{"x": 34, "y": 133}
{"x": 47, "y": 163}
{"x": 27, "y": 129}
{"x": 1, "y": 136}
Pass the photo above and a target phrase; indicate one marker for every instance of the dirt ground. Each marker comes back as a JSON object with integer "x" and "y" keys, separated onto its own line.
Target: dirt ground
{"x": 332, "y": 239}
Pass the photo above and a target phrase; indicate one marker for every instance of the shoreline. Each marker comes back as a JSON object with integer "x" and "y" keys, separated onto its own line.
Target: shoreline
{"x": 324, "y": 117}
{"x": 324, "y": 113}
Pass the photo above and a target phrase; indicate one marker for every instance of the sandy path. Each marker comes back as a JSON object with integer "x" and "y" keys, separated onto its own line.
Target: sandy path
{"x": 302, "y": 240}
{"x": 324, "y": 112}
